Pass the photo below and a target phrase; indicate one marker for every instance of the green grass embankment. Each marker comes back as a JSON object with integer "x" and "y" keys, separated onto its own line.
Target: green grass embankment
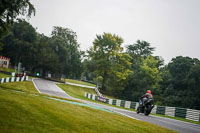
{"x": 76, "y": 91}
{"x": 2, "y": 75}
{"x": 25, "y": 86}
{"x": 25, "y": 112}
{"x": 7, "y": 70}
{"x": 79, "y": 82}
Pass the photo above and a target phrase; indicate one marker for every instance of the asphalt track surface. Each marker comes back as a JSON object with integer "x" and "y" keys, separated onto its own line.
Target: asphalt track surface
{"x": 50, "y": 88}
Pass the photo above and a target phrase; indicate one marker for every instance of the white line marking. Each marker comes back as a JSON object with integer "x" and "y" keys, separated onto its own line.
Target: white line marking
{"x": 125, "y": 115}
{"x": 35, "y": 85}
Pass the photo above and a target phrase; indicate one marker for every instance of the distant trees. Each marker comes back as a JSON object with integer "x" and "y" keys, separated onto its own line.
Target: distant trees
{"x": 20, "y": 44}
{"x": 65, "y": 45}
{"x": 46, "y": 60}
{"x": 56, "y": 54}
{"x": 181, "y": 82}
{"x": 145, "y": 71}
{"x": 140, "y": 48}
{"x": 10, "y": 9}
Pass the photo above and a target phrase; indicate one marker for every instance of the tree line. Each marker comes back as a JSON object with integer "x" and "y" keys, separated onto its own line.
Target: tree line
{"x": 125, "y": 73}
{"x": 58, "y": 54}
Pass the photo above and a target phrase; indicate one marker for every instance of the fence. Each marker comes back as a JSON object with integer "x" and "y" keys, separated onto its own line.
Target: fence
{"x": 13, "y": 79}
{"x": 189, "y": 114}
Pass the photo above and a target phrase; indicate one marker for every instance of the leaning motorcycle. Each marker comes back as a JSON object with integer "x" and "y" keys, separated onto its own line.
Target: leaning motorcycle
{"x": 145, "y": 106}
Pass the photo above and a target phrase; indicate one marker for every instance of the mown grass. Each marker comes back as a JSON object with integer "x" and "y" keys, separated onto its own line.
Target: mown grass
{"x": 79, "y": 82}
{"x": 76, "y": 91}
{"x": 7, "y": 69}
{"x": 23, "y": 112}
{"x": 25, "y": 86}
{"x": 2, "y": 75}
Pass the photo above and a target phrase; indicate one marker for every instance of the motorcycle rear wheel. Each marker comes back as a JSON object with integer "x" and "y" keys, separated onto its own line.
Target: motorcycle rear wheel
{"x": 138, "y": 110}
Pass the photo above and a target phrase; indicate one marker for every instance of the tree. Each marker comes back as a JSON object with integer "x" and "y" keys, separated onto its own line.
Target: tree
{"x": 46, "y": 60}
{"x": 20, "y": 44}
{"x": 140, "y": 48}
{"x": 110, "y": 63}
{"x": 193, "y": 89}
{"x": 117, "y": 77}
{"x": 10, "y": 9}
{"x": 145, "y": 76}
{"x": 64, "y": 43}
{"x": 89, "y": 67}
{"x": 181, "y": 88}
{"x": 145, "y": 71}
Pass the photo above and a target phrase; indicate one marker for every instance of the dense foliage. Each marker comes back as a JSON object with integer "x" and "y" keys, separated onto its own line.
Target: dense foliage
{"x": 109, "y": 62}
{"x": 58, "y": 54}
{"x": 10, "y": 9}
{"x": 181, "y": 82}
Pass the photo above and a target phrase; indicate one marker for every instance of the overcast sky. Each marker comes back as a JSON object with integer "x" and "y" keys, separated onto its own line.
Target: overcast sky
{"x": 171, "y": 26}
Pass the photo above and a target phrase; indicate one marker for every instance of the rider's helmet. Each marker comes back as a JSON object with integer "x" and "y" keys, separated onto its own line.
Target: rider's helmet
{"x": 148, "y": 91}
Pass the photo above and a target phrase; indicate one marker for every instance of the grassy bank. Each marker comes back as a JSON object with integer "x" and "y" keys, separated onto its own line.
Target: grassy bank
{"x": 25, "y": 86}
{"x": 76, "y": 91}
{"x": 79, "y": 82}
{"x": 7, "y": 70}
{"x": 24, "y": 112}
{"x": 2, "y": 75}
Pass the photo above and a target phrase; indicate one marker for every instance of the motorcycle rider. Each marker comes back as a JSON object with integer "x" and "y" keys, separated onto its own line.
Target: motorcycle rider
{"x": 142, "y": 108}
{"x": 146, "y": 96}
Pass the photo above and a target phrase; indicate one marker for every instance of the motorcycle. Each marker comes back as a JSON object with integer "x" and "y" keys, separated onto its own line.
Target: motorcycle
{"x": 146, "y": 106}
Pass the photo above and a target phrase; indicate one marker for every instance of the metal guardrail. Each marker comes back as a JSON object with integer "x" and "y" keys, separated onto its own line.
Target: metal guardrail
{"x": 189, "y": 114}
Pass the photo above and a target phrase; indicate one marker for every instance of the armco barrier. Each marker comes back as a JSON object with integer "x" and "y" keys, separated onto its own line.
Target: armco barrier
{"x": 189, "y": 114}
{"x": 13, "y": 79}
{"x": 170, "y": 111}
{"x": 160, "y": 110}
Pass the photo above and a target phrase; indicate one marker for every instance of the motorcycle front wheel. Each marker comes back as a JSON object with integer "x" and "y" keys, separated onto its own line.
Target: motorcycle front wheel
{"x": 147, "y": 110}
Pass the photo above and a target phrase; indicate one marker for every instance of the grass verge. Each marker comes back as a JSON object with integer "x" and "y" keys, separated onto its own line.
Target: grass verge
{"x": 23, "y": 112}
{"x": 25, "y": 86}
{"x": 7, "y": 69}
{"x": 76, "y": 91}
{"x": 2, "y": 75}
{"x": 79, "y": 82}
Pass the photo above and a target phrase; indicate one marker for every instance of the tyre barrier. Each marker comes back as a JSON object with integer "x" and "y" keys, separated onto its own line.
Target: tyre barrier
{"x": 189, "y": 114}
{"x": 13, "y": 79}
